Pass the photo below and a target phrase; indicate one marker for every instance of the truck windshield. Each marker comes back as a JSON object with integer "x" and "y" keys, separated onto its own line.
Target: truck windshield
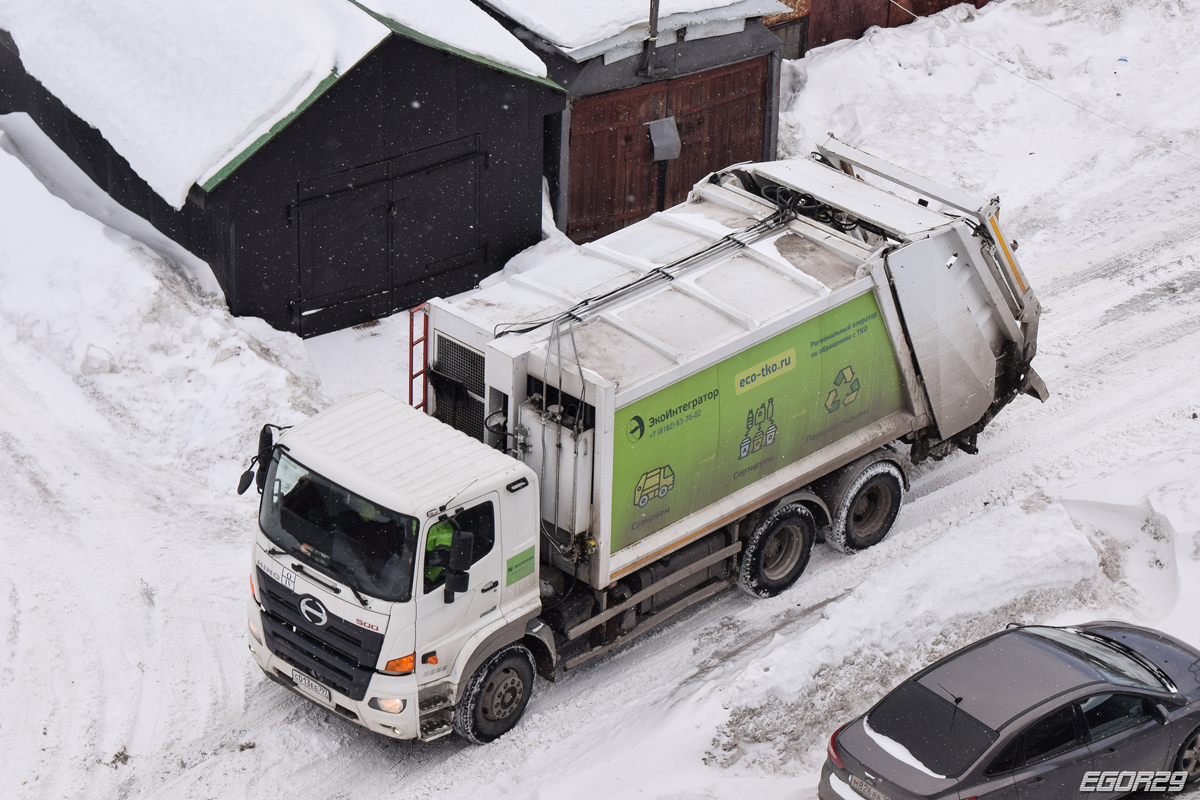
{"x": 351, "y": 539}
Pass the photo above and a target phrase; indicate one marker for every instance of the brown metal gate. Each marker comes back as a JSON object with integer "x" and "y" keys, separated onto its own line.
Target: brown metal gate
{"x": 613, "y": 180}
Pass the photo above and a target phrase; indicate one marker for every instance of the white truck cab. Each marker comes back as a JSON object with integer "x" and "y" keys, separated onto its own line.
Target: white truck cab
{"x": 378, "y": 602}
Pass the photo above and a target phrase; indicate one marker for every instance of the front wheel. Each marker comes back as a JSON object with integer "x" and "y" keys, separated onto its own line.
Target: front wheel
{"x": 1188, "y": 759}
{"x": 496, "y": 696}
{"x": 777, "y": 551}
{"x": 868, "y": 508}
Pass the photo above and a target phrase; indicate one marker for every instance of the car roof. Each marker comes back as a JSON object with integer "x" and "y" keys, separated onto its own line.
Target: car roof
{"x": 1003, "y": 677}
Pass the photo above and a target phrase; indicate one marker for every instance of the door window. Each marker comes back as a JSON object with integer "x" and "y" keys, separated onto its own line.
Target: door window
{"x": 1009, "y": 759}
{"x": 1107, "y": 714}
{"x": 1051, "y": 736}
{"x": 479, "y": 520}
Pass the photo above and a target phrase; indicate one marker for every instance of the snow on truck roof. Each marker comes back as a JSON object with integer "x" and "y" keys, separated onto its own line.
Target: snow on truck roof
{"x": 705, "y": 307}
{"x": 186, "y": 91}
{"x": 585, "y": 28}
{"x": 392, "y": 453}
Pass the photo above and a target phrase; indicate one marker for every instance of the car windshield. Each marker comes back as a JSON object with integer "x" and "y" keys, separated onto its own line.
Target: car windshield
{"x": 351, "y": 539}
{"x": 943, "y": 737}
{"x": 1111, "y": 659}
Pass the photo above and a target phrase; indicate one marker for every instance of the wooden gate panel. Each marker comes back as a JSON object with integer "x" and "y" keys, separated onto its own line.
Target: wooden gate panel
{"x": 612, "y": 174}
{"x": 831, "y": 20}
{"x": 721, "y": 119}
{"x": 613, "y": 179}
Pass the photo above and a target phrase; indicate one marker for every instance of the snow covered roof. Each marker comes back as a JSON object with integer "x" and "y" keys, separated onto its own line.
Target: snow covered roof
{"x": 187, "y": 91}
{"x": 584, "y": 29}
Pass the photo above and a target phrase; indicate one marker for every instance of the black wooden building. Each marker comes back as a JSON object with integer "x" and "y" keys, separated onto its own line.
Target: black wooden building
{"x": 415, "y": 173}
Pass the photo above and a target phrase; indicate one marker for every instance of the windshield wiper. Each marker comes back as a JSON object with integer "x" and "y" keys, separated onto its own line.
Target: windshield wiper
{"x": 301, "y": 568}
{"x": 340, "y": 570}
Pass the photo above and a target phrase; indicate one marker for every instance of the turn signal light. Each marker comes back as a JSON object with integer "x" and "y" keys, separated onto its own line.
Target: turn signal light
{"x": 401, "y": 666}
{"x": 832, "y": 752}
{"x": 253, "y": 594}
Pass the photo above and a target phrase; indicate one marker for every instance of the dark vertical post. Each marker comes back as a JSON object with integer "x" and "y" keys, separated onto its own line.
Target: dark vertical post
{"x": 647, "y": 69}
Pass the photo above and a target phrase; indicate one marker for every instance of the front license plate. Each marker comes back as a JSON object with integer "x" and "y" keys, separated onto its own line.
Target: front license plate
{"x": 866, "y": 789}
{"x": 307, "y": 683}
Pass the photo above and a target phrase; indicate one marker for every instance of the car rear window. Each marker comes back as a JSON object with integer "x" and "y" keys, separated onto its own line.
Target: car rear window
{"x": 932, "y": 728}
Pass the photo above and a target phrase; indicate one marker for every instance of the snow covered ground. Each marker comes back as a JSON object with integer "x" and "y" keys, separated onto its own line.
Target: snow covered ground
{"x": 129, "y": 400}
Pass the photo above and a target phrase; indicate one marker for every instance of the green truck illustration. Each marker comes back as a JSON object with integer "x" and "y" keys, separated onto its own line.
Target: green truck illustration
{"x": 655, "y": 483}
{"x": 788, "y": 341}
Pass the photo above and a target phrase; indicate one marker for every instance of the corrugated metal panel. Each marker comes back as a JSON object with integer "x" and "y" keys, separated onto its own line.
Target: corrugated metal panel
{"x": 402, "y": 458}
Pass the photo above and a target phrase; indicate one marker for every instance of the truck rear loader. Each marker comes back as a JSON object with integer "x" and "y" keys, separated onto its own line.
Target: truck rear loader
{"x": 601, "y": 439}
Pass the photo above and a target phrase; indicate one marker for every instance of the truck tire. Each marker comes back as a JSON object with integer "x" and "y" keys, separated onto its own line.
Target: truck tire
{"x": 777, "y": 551}
{"x": 1188, "y": 759}
{"x": 496, "y": 696}
{"x": 868, "y": 509}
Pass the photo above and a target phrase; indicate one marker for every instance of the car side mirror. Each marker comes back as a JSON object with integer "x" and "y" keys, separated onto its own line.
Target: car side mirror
{"x": 1160, "y": 713}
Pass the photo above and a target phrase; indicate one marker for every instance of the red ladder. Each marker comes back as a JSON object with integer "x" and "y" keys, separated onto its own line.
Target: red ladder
{"x": 413, "y": 361}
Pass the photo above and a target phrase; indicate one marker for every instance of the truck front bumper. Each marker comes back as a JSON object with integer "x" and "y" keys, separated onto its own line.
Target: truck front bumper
{"x": 402, "y": 725}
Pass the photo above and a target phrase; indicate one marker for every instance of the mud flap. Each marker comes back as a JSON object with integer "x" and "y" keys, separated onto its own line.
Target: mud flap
{"x": 1034, "y": 386}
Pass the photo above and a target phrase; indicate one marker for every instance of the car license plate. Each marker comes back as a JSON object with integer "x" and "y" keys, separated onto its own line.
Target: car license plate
{"x": 866, "y": 789}
{"x": 305, "y": 682}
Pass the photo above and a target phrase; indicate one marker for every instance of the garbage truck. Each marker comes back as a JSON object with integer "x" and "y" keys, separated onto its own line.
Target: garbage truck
{"x": 600, "y": 438}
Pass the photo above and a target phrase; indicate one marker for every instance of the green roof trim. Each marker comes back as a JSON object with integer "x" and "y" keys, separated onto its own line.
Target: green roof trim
{"x": 241, "y": 157}
{"x": 417, "y": 36}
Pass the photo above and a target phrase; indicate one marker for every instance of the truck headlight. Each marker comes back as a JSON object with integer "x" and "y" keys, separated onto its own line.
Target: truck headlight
{"x": 388, "y": 705}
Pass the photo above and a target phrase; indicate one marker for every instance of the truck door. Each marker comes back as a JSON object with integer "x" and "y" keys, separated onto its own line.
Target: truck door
{"x": 443, "y": 627}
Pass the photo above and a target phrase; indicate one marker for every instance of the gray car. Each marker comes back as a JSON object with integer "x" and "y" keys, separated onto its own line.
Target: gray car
{"x": 1030, "y": 713}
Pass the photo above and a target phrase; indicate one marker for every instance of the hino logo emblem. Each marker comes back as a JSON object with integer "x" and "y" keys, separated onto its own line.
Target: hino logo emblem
{"x": 314, "y": 612}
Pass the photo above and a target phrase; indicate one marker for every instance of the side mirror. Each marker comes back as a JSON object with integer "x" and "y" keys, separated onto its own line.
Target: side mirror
{"x": 266, "y": 444}
{"x": 461, "y": 544}
{"x": 1160, "y": 713}
{"x": 244, "y": 481}
{"x": 458, "y": 579}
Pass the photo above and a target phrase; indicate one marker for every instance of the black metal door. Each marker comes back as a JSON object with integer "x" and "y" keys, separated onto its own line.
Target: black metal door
{"x": 435, "y": 231}
{"x": 343, "y": 238}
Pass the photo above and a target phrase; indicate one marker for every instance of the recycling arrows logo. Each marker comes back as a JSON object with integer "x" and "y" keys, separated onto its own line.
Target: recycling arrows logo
{"x": 844, "y": 382}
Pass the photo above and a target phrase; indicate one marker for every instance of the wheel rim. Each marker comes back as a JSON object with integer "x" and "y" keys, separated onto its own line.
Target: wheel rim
{"x": 1189, "y": 758}
{"x": 782, "y": 552}
{"x": 870, "y": 511}
{"x": 503, "y": 694}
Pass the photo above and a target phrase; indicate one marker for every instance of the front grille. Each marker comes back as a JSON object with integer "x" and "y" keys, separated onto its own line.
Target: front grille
{"x": 460, "y": 363}
{"x": 340, "y": 655}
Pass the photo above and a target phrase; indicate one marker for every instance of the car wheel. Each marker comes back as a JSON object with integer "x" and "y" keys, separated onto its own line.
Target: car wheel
{"x": 869, "y": 508}
{"x": 1188, "y": 759}
{"x": 777, "y": 551}
{"x": 496, "y": 696}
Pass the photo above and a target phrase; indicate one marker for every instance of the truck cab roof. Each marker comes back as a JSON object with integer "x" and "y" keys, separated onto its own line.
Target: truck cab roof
{"x": 395, "y": 455}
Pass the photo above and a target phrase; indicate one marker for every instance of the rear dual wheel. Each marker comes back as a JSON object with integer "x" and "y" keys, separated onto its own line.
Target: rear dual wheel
{"x": 868, "y": 508}
{"x": 777, "y": 551}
